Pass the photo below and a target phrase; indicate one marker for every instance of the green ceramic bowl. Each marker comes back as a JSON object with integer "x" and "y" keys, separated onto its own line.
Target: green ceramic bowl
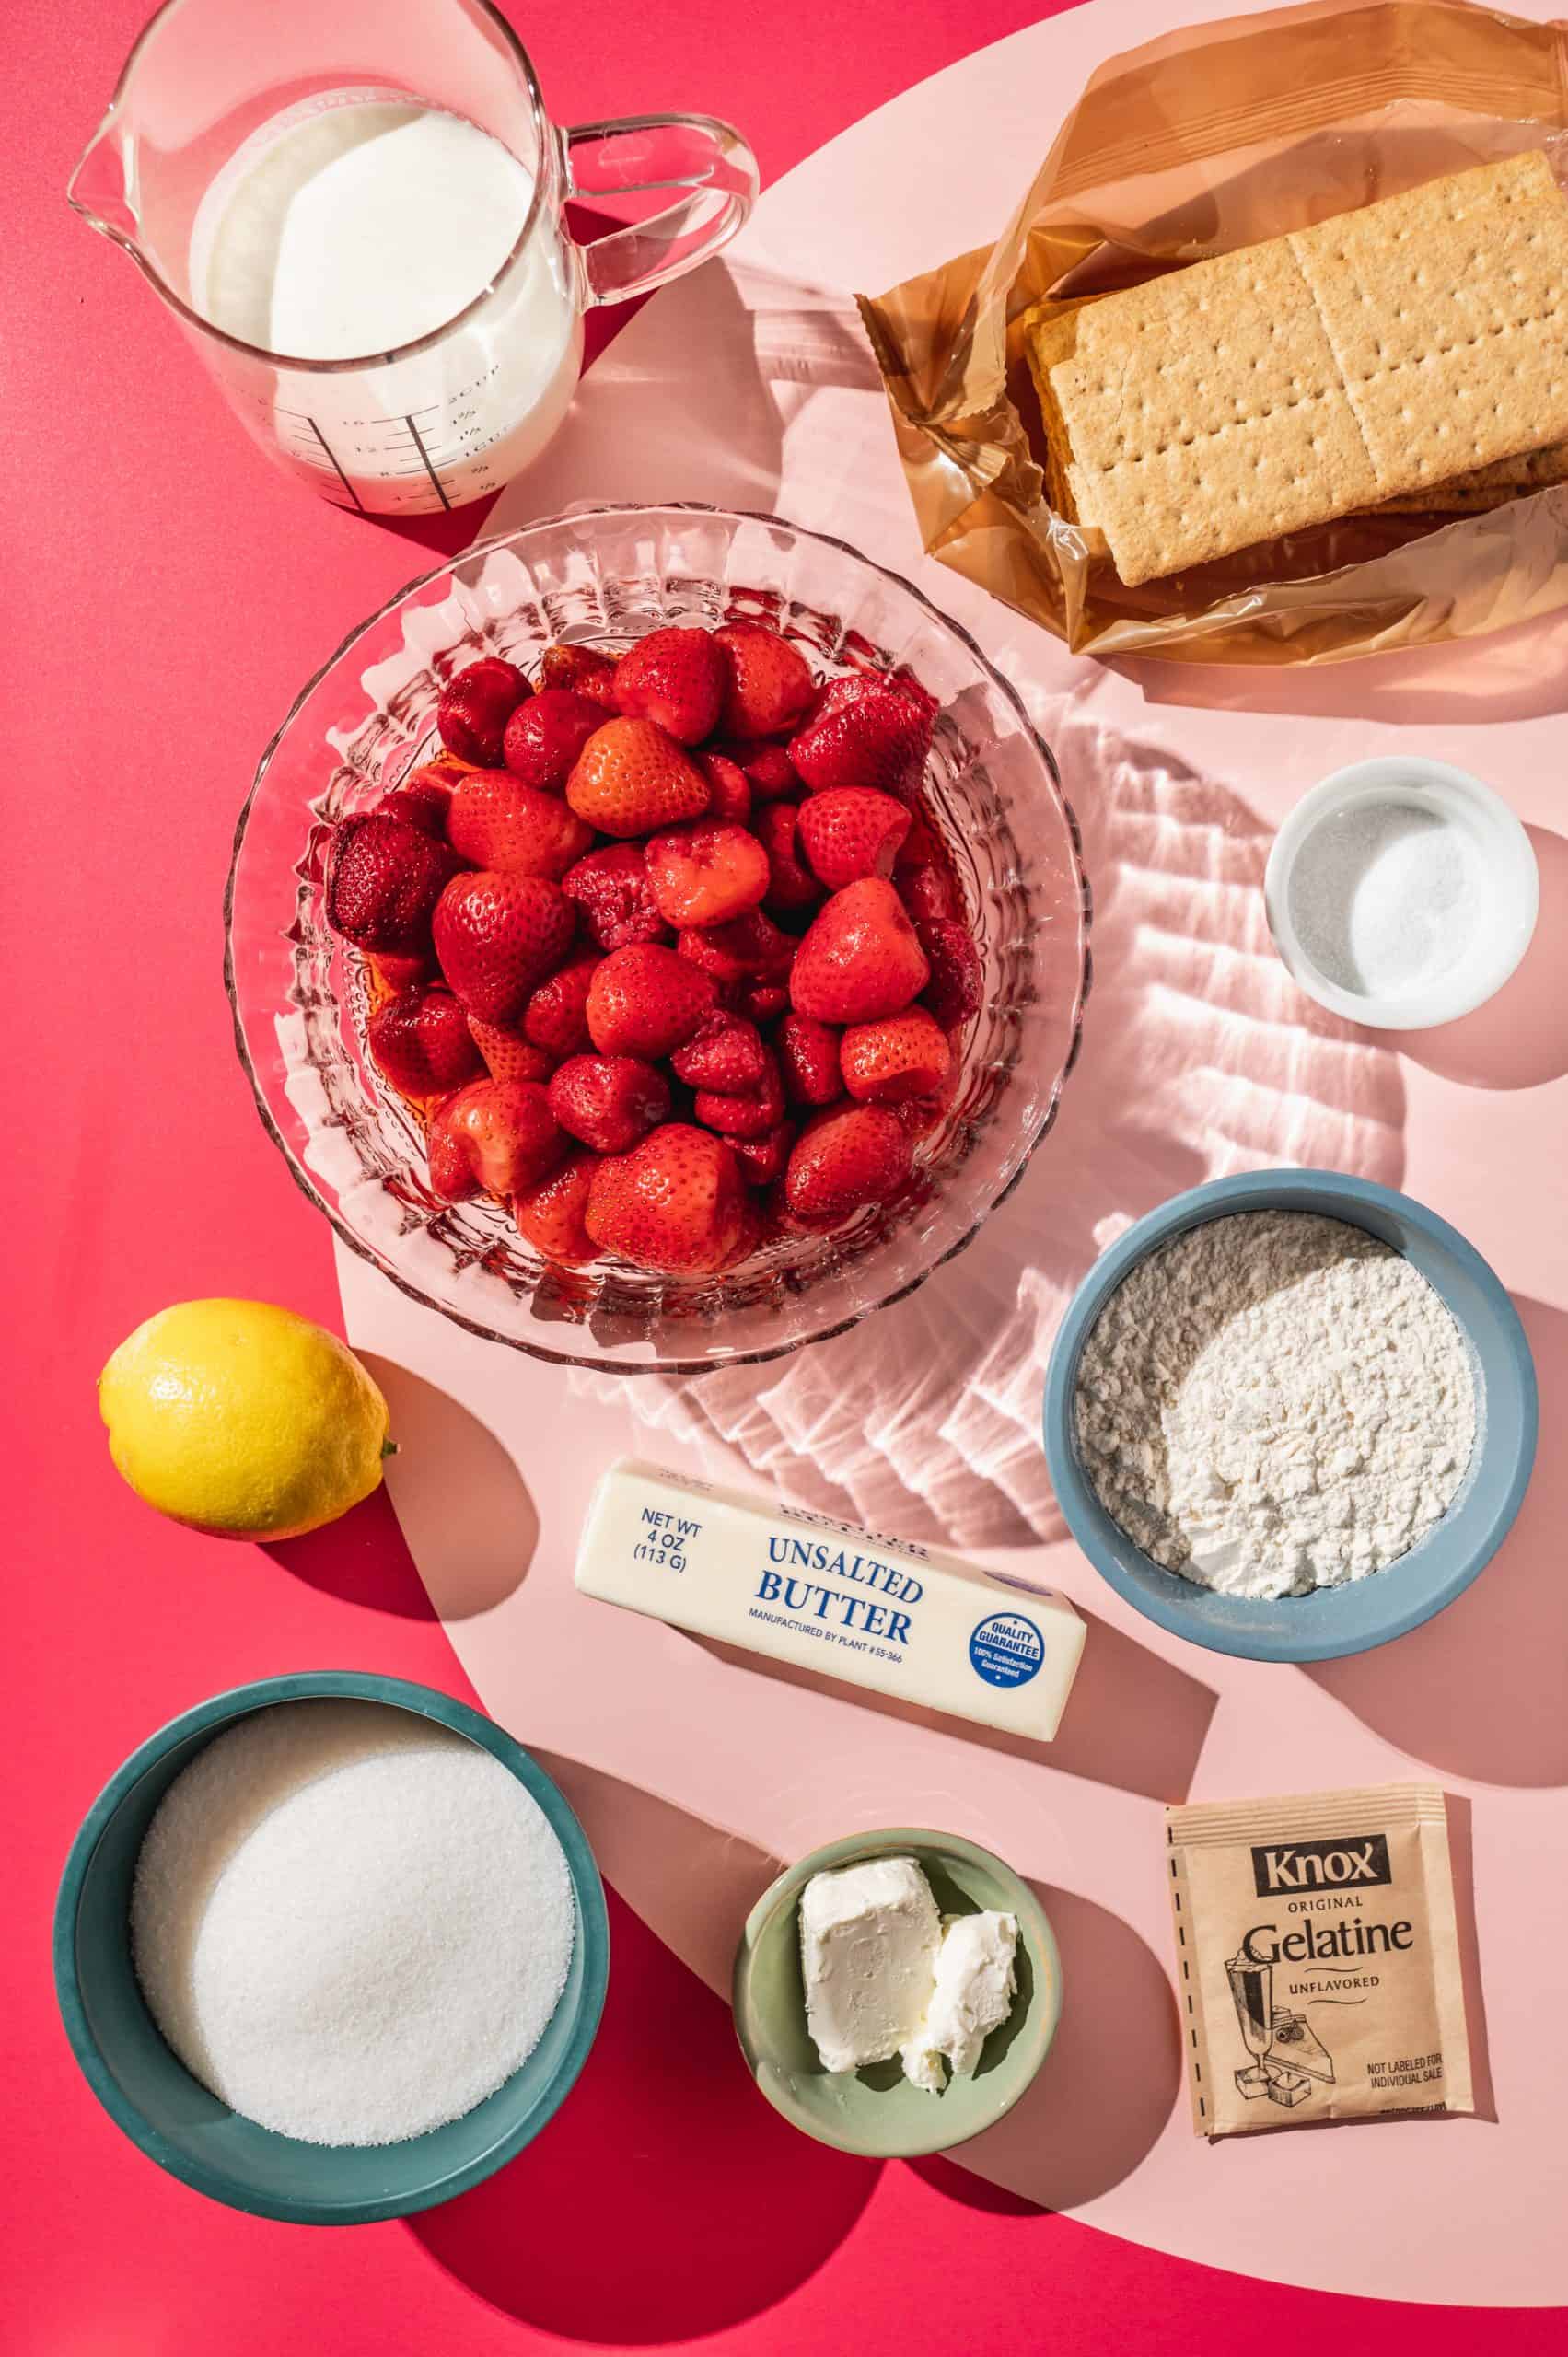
{"x": 877, "y": 2111}
{"x": 187, "y": 2130}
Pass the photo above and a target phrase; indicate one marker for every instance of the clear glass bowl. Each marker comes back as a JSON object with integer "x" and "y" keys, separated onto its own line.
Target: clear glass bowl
{"x": 605, "y": 576}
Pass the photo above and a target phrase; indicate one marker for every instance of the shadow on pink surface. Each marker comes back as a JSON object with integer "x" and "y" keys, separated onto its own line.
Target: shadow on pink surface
{"x": 363, "y": 1560}
{"x": 1520, "y": 1038}
{"x": 1479, "y": 1691}
{"x": 1134, "y": 1721}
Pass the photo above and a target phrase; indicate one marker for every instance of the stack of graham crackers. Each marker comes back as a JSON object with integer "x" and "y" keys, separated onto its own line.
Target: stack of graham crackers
{"x": 1412, "y": 354}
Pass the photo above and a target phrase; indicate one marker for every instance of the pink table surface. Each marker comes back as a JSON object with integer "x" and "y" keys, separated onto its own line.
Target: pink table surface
{"x": 165, "y": 594}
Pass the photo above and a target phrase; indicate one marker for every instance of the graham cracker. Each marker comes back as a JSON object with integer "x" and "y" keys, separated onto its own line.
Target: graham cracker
{"x": 1378, "y": 355}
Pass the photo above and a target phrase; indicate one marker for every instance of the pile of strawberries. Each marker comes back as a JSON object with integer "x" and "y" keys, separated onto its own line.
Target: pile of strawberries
{"x": 668, "y": 955}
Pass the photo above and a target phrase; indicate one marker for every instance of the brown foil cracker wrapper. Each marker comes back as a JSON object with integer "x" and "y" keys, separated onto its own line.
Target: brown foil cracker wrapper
{"x": 1318, "y": 1958}
{"x": 1205, "y": 140}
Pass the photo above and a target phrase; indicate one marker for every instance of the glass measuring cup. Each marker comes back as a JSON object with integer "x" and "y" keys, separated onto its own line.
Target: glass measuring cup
{"x": 224, "y": 109}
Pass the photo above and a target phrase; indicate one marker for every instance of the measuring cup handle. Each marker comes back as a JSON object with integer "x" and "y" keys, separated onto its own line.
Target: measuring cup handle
{"x": 687, "y": 151}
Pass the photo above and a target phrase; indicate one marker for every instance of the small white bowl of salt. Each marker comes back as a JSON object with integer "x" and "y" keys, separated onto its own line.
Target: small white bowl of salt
{"x": 1401, "y": 893}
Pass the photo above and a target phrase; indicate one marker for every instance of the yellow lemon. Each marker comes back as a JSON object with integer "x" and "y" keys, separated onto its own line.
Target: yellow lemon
{"x": 243, "y": 1420}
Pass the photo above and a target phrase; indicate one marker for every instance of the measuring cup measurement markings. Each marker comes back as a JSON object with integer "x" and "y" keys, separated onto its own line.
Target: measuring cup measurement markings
{"x": 375, "y": 265}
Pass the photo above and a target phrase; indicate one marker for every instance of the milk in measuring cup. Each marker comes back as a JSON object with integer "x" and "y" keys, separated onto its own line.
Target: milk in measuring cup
{"x": 357, "y": 223}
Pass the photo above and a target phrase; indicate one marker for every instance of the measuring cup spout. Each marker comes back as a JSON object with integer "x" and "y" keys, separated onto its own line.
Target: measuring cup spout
{"x": 102, "y": 189}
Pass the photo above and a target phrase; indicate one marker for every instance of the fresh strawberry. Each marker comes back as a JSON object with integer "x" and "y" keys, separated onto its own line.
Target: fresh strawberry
{"x": 507, "y": 1055}
{"x": 903, "y": 1055}
{"x": 611, "y": 888}
{"x": 545, "y": 736}
{"x": 790, "y": 883}
{"x": 957, "y": 987}
{"x": 497, "y": 821}
{"x": 854, "y": 1156}
{"x": 763, "y": 1159}
{"x": 848, "y": 832}
{"x": 475, "y": 707}
{"x": 729, "y": 790}
{"x": 861, "y": 959}
{"x": 676, "y": 677}
{"x": 424, "y": 799}
{"x": 760, "y": 1003}
{"x": 631, "y": 778}
{"x": 496, "y": 1136}
{"x": 583, "y": 669}
{"x": 705, "y": 874}
{"x": 749, "y": 1114}
{"x": 645, "y": 1001}
{"x": 675, "y": 1203}
{"x": 422, "y": 1043}
{"x": 877, "y": 738}
{"x": 556, "y": 1017}
{"x": 549, "y": 1212}
{"x": 748, "y": 948}
{"x": 769, "y": 773}
{"x": 849, "y": 687}
{"x": 770, "y": 686}
{"x": 609, "y": 1101}
{"x": 395, "y": 975}
{"x": 383, "y": 881}
{"x": 808, "y": 1052}
{"x": 497, "y": 935}
{"x": 725, "y": 1053}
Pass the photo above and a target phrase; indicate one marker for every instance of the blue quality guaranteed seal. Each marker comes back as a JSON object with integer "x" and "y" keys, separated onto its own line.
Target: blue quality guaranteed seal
{"x": 1006, "y": 1649}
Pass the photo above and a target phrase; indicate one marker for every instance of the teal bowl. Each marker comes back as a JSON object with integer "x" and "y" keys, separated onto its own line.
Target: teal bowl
{"x": 186, "y": 2129}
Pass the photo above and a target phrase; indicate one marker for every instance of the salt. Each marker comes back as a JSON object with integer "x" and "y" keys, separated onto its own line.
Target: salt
{"x": 350, "y": 1923}
{"x": 1384, "y": 897}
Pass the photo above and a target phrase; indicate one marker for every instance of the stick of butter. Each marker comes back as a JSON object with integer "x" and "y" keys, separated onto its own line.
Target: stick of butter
{"x": 825, "y": 1596}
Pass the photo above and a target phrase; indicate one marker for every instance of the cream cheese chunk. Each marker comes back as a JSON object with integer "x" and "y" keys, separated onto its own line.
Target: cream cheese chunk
{"x": 975, "y": 1983}
{"x": 869, "y": 1938}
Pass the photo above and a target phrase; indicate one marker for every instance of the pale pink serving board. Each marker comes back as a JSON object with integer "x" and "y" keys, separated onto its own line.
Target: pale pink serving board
{"x": 751, "y": 386}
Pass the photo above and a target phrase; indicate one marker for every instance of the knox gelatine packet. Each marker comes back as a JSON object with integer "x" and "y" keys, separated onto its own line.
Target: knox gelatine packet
{"x": 1318, "y": 1958}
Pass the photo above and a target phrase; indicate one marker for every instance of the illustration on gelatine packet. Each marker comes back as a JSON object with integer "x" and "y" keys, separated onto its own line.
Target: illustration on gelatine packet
{"x": 1287, "y": 2054}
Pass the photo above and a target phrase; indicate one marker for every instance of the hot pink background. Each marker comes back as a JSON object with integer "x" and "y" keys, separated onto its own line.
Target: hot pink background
{"x": 165, "y": 595}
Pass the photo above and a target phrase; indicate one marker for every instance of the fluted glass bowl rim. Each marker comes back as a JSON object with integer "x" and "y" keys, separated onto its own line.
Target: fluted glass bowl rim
{"x": 577, "y": 513}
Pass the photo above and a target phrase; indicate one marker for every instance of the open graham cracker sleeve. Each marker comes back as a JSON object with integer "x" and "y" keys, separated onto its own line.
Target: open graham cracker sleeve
{"x": 1228, "y": 137}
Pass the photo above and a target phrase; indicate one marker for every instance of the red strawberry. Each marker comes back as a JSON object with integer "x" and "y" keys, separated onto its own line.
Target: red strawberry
{"x": 384, "y": 878}
{"x": 904, "y": 1055}
{"x": 771, "y": 686}
{"x": 848, "y": 832}
{"x": 749, "y": 1114}
{"x": 957, "y": 987}
{"x": 422, "y": 1043}
{"x": 725, "y": 1053}
{"x": 767, "y": 768}
{"x": 853, "y": 685}
{"x": 497, "y": 935}
{"x": 861, "y": 958}
{"x": 876, "y": 739}
{"x": 549, "y": 1212}
{"x": 645, "y": 1001}
{"x": 611, "y": 888}
{"x": 475, "y": 707}
{"x": 395, "y": 975}
{"x": 730, "y": 792}
{"x": 497, "y": 821}
{"x": 507, "y": 1054}
{"x": 609, "y": 1101}
{"x": 857, "y": 1155}
{"x": 631, "y": 779}
{"x": 545, "y": 736}
{"x": 676, "y": 677}
{"x": 790, "y": 885}
{"x": 556, "y": 1017}
{"x": 763, "y": 1159}
{"x": 920, "y": 1115}
{"x": 494, "y": 1136}
{"x": 760, "y": 1003}
{"x": 748, "y": 948}
{"x": 705, "y": 874}
{"x": 424, "y": 799}
{"x": 674, "y": 1203}
{"x": 809, "y": 1051}
{"x": 583, "y": 669}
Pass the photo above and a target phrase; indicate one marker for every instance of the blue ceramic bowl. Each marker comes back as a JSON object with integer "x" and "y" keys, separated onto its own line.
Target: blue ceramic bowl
{"x": 1362, "y": 1613}
{"x": 186, "y": 2129}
